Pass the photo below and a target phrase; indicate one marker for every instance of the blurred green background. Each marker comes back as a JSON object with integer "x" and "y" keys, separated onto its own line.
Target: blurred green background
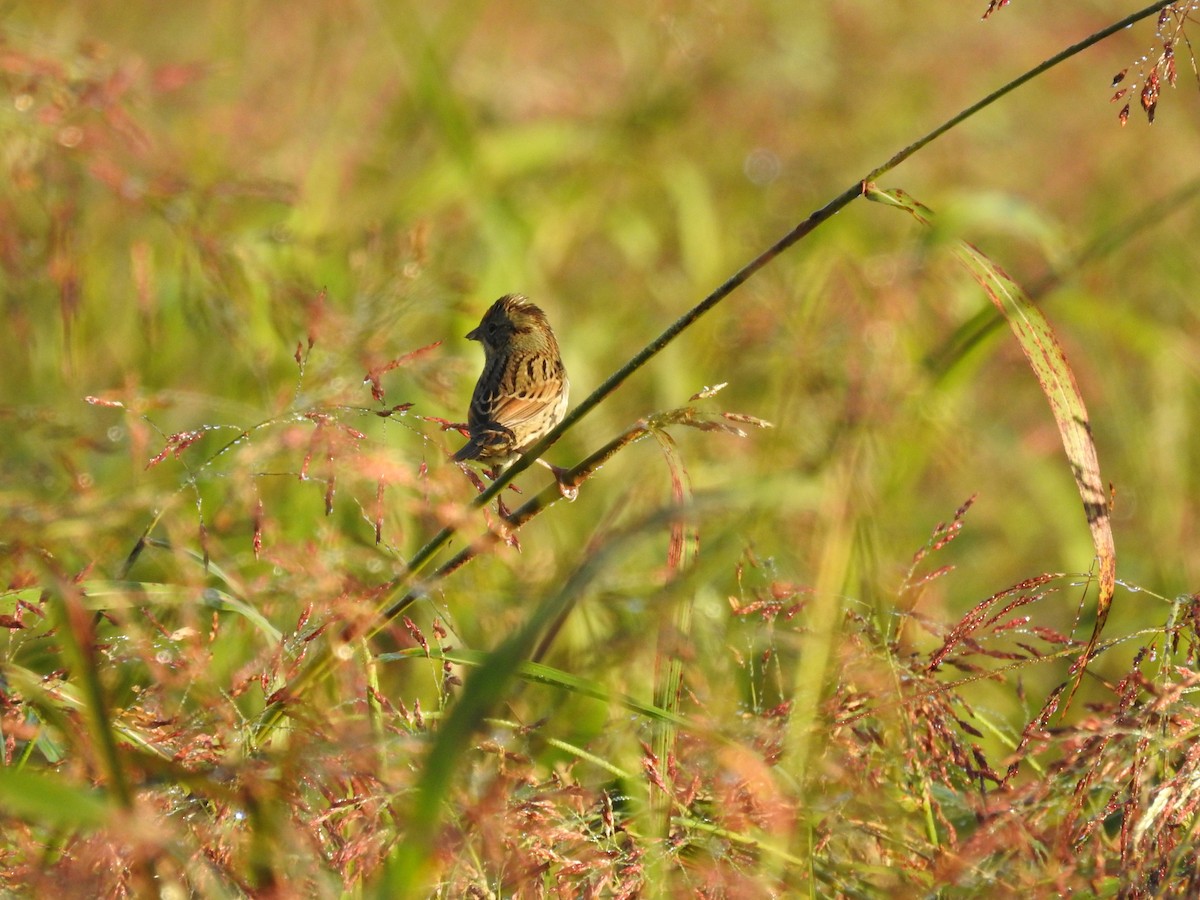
{"x": 191, "y": 192}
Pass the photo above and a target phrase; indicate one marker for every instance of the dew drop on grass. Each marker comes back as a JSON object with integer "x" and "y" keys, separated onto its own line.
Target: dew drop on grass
{"x": 116, "y": 642}
{"x": 761, "y": 166}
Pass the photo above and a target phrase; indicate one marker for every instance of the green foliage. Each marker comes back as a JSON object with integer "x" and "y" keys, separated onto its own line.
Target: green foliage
{"x": 259, "y": 635}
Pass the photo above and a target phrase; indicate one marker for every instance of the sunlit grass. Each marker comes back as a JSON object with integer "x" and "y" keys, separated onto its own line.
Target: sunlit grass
{"x": 734, "y": 665}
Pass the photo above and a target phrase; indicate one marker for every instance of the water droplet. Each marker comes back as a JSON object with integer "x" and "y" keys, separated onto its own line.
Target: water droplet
{"x": 761, "y": 166}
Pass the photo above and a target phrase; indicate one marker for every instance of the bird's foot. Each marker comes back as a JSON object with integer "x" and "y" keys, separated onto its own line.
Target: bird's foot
{"x": 566, "y": 484}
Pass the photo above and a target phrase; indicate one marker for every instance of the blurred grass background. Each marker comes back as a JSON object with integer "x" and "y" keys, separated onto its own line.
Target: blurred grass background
{"x": 192, "y": 192}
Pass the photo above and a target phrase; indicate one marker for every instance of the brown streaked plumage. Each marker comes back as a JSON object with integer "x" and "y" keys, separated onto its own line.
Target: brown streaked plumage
{"x": 522, "y": 392}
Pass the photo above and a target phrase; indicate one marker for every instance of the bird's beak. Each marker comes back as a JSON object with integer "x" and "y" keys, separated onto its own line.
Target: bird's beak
{"x": 473, "y": 334}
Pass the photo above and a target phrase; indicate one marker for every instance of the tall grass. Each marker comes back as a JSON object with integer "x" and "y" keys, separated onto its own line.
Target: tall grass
{"x": 263, "y": 637}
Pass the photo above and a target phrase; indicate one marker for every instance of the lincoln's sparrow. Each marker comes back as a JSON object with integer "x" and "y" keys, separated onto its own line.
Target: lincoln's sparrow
{"x": 522, "y": 392}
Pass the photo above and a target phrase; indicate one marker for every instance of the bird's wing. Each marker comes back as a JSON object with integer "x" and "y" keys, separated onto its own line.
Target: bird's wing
{"x": 515, "y": 409}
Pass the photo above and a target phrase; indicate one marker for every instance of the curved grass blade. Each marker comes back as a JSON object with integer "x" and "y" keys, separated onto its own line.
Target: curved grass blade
{"x": 1045, "y": 355}
{"x": 1054, "y": 374}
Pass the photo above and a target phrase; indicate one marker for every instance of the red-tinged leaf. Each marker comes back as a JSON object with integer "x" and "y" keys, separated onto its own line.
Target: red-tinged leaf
{"x": 159, "y": 457}
{"x": 777, "y": 712}
{"x": 1123, "y": 115}
{"x": 1018, "y": 622}
{"x": 297, "y": 661}
{"x": 963, "y": 666}
{"x": 748, "y": 420}
{"x": 1149, "y": 95}
{"x": 506, "y": 534}
{"x": 400, "y": 408}
{"x": 911, "y": 584}
{"x": 474, "y": 478}
{"x": 316, "y": 633}
{"x": 942, "y": 535}
{"x": 1049, "y": 635}
{"x": 650, "y": 767}
{"x": 175, "y": 446}
{"x": 706, "y": 424}
{"x": 316, "y": 317}
{"x": 13, "y": 622}
{"x": 1054, "y": 374}
{"x": 375, "y": 374}
{"x": 785, "y": 590}
{"x": 379, "y": 510}
{"x": 258, "y": 528}
{"x": 1118, "y": 95}
{"x": 100, "y": 401}
{"x": 447, "y": 425}
{"x": 1119, "y": 77}
{"x": 900, "y": 200}
{"x": 1014, "y": 604}
{"x": 415, "y": 633}
{"x": 993, "y": 6}
{"x": 684, "y": 541}
{"x": 707, "y": 391}
{"x": 174, "y": 76}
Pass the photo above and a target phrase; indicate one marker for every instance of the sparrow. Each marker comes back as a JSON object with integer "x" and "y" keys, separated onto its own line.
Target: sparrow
{"x": 522, "y": 392}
